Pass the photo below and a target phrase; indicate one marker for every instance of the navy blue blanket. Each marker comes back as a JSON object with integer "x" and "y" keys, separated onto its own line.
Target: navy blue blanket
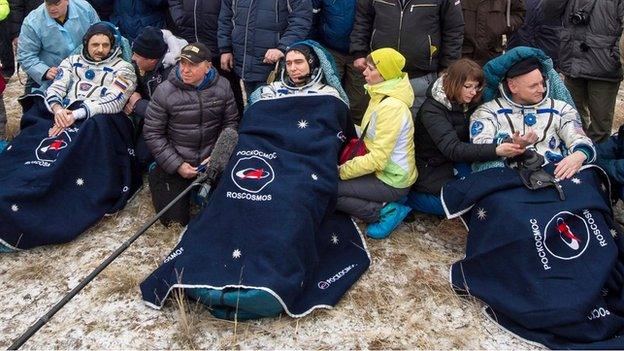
{"x": 53, "y": 189}
{"x": 269, "y": 225}
{"x": 550, "y": 271}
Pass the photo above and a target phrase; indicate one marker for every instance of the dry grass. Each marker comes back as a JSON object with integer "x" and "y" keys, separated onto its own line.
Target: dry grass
{"x": 403, "y": 301}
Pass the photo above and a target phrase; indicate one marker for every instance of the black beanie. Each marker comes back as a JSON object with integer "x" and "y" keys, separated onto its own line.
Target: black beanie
{"x": 523, "y": 67}
{"x": 150, "y": 43}
{"x": 308, "y": 53}
{"x": 99, "y": 28}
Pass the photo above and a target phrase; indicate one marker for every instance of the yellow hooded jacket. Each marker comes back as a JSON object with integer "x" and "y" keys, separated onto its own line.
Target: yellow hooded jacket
{"x": 390, "y": 136}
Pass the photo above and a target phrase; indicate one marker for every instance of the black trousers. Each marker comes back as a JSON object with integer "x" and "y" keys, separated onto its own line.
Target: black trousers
{"x": 164, "y": 188}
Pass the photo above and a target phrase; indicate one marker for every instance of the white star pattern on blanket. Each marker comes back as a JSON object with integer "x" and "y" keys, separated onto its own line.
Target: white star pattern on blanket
{"x": 302, "y": 124}
{"x": 481, "y": 214}
{"x": 236, "y": 254}
{"x": 575, "y": 180}
{"x": 80, "y": 182}
{"x": 14, "y": 208}
{"x": 334, "y": 239}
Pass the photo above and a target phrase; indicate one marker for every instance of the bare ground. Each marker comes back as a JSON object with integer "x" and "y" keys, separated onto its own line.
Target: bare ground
{"x": 403, "y": 301}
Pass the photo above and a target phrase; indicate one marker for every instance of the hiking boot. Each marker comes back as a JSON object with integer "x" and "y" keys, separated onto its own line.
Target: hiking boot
{"x": 390, "y": 217}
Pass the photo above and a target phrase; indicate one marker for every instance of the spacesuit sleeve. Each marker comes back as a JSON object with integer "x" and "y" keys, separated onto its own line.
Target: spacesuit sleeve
{"x": 117, "y": 93}
{"x": 483, "y": 127}
{"x": 572, "y": 134}
{"x": 57, "y": 91}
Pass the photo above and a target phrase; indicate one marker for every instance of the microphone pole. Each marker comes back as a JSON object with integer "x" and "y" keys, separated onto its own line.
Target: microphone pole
{"x": 221, "y": 153}
{"x": 43, "y": 320}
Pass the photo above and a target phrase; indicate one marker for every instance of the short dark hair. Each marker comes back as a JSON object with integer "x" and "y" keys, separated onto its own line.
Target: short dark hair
{"x": 457, "y": 74}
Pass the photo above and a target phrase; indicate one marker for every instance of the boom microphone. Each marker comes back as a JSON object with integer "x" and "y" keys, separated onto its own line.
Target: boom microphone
{"x": 219, "y": 156}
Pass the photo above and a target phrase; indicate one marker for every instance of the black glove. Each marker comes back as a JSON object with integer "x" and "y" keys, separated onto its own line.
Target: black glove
{"x": 529, "y": 165}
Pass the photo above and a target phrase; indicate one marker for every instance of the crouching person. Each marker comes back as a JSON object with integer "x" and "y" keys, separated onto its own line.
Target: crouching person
{"x": 184, "y": 119}
{"x": 150, "y": 57}
{"x": 386, "y": 172}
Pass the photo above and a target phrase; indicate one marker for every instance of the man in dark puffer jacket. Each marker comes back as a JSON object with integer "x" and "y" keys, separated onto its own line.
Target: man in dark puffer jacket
{"x": 184, "y": 119}
{"x": 196, "y": 21}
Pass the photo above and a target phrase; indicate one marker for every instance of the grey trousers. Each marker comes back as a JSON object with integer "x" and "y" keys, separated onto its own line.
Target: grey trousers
{"x": 353, "y": 82}
{"x": 595, "y": 102}
{"x": 420, "y": 86}
{"x": 364, "y": 197}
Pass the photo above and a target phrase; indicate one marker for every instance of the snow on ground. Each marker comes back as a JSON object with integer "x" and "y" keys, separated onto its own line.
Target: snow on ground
{"x": 403, "y": 301}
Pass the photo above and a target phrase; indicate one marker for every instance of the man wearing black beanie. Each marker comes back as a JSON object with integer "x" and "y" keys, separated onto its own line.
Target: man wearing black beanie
{"x": 148, "y": 51}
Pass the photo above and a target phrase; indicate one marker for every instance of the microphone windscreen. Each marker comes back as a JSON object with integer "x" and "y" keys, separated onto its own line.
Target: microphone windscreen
{"x": 223, "y": 149}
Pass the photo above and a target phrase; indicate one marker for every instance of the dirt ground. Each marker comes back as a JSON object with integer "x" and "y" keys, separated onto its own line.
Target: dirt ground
{"x": 404, "y": 301}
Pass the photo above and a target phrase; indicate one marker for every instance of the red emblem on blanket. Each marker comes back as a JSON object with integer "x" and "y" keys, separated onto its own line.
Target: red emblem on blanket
{"x": 251, "y": 173}
{"x": 564, "y": 231}
{"x": 566, "y": 236}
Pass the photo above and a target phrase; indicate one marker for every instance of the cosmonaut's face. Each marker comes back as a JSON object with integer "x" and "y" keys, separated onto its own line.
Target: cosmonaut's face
{"x": 99, "y": 46}
{"x": 527, "y": 89}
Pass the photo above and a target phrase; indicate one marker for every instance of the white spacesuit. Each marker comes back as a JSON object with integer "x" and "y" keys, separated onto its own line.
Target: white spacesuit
{"x": 100, "y": 87}
{"x": 557, "y": 124}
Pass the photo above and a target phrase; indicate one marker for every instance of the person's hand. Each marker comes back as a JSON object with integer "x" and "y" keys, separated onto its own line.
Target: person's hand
{"x": 525, "y": 140}
{"x": 51, "y": 73}
{"x": 55, "y": 130}
{"x": 227, "y": 61}
{"x": 63, "y": 117}
{"x": 273, "y": 55}
{"x": 509, "y": 150}
{"x": 129, "y": 108}
{"x": 360, "y": 64}
{"x": 568, "y": 167}
{"x": 187, "y": 171}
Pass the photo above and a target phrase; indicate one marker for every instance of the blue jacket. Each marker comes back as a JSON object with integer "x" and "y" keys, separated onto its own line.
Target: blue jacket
{"x": 43, "y": 43}
{"x": 251, "y": 27}
{"x": 610, "y": 157}
{"x": 133, "y": 15}
{"x": 333, "y": 22}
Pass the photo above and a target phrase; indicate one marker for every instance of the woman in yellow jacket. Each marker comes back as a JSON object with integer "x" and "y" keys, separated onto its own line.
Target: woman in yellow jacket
{"x": 371, "y": 184}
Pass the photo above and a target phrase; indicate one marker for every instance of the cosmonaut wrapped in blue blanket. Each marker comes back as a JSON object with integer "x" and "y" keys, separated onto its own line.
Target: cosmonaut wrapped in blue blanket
{"x": 269, "y": 241}
{"x": 56, "y": 181}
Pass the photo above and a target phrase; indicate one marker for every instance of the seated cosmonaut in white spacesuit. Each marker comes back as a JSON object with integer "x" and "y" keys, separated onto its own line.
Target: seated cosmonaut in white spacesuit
{"x": 526, "y": 114}
{"x": 96, "y": 81}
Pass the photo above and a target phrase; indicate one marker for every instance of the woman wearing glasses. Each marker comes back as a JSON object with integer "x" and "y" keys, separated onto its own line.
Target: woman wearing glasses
{"x": 443, "y": 149}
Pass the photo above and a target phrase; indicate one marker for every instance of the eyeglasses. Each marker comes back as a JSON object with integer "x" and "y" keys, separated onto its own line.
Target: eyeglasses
{"x": 476, "y": 88}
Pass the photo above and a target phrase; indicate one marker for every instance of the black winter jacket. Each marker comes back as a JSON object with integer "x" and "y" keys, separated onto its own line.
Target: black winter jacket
{"x": 196, "y": 21}
{"x": 183, "y": 122}
{"x": 590, "y": 50}
{"x": 441, "y": 139}
{"x": 19, "y": 10}
{"x": 429, "y": 33}
{"x": 147, "y": 84}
